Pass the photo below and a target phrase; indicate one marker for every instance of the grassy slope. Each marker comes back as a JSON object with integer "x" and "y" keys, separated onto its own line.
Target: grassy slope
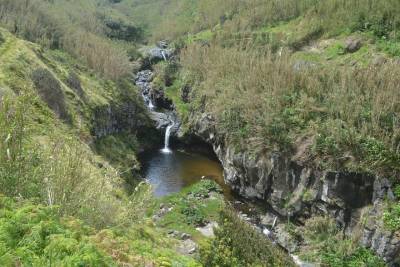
{"x": 33, "y": 233}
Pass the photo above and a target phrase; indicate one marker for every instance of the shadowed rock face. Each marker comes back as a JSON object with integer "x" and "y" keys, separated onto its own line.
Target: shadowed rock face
{"x": 115, "y": 118}
{"x": 353, "y": 189}
{"x": 297, "y": 190}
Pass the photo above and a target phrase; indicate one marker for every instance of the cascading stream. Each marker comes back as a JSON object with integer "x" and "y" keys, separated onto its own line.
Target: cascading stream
{"x": 163, "y": 55}
{"x": 164, "y": 118}
{"x": 166, "y": 148}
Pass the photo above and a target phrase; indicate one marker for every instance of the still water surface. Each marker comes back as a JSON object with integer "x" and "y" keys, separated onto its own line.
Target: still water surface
{"x": 171, "y": 172}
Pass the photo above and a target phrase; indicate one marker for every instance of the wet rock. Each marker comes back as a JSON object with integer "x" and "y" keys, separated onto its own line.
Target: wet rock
{"x": 116, "y": 117}
{"x": 268, "y": 220}
{"x": 154, "y": 54}
{"x": 382, "y": 189}
{"x": 301, "y": 263}
{"x": 160, "y": 99}
{"x": 162, "y": 44}
{"x": 161, "y": 119}
{"x": 352, "y": 45}
{"x": 375, "y": 236}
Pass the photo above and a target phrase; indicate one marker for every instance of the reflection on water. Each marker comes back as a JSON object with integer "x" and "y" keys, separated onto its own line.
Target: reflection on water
{"x": 169, "y": 173}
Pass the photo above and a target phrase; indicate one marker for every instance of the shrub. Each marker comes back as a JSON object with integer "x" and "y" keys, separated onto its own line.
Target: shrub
{"x": 327, "y": 246}
{"x": 118, "y": 29}
{"x": 237, "y": 243}
{"x": 391, "y": 217}
{"x": 49, "y": 89}
{"x": 19, "y": 160}
{"x": 74, "y": 82}
{"x": 193, "y": 214}
{"x": 34, "y": 235}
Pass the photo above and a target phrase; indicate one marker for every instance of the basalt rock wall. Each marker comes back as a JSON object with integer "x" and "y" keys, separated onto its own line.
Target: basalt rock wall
{"x": 298, "y": 190}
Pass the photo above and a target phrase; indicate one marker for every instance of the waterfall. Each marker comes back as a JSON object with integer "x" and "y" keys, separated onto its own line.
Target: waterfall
{"x": 167, "y": 136}
{"x": 163, "y": 54}
{"x": 151, "y": 106}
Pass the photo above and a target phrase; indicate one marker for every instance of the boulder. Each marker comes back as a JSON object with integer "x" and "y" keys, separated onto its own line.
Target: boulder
{"x": 352, "y": 45}
{"x": 208, "y": 230}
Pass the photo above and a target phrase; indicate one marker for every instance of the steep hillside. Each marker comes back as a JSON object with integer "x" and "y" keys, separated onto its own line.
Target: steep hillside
{"x": 64, "y": 199}
{"x": 70, "y": 191}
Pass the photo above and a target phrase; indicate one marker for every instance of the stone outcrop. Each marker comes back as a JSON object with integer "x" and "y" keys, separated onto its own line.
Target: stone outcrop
{"x": 156, "y": 53}
{"x": 115, "y": 118}
{"x": 297, "y": 190}
{"x": 352, "y": 45}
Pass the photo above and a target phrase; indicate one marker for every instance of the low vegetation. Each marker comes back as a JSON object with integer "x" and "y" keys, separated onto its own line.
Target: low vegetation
{"x": 326, "y": 245}
{"x": 238, "y": 244}
{"x": 92, "y": 31}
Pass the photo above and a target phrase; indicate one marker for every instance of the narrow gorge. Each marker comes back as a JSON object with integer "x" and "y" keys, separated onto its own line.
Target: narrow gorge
{"x": 273, "y": 187}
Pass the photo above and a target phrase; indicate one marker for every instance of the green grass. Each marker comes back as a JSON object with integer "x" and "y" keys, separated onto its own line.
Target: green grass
{"x": 190, "y": 209}
{"x": 120, "y": 150}
{"x": 174, "y": 93}
{"x": 202, "y": 36}
{"x": 36, "y": 235}
{"x": 238, "y": 244}
{"x": 327, "y": 246}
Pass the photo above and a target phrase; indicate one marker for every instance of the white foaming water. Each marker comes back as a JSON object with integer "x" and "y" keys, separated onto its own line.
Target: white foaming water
{"x": 163, "y": 54}
{"x": 166, "y": 141}
{"x": 151, "y": 106}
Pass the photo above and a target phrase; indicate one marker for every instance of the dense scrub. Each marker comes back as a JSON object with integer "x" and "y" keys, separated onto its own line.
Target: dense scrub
{"x": 83, "y": 29}
{"x": 36, "y": 235}
{"x": 59, "y": 173}
{"x": 262, "y": 101}
{"x": 327, "y": 245}
{"x": 46, "y": 160}
{"x": 239, "y": 244}
{"x": 174, "y": 19}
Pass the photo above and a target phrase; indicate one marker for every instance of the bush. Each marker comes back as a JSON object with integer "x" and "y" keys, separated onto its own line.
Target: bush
{"x": 49, "y": 89}
{"x": 118, "y": 29}
{"x": 327, "y": 245}
{"x": 74, "y": 82}
{"x": 2, "y": 40}
{"x": 19, "y": 160}
{"x": 193, "y": 214}
{"x": 237, "y": 243}
{"x": 34, "y": 235}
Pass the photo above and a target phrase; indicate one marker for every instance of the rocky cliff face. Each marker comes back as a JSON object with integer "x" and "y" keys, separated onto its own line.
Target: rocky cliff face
{"x": 114, "y": 118}
{"x": 297, "y": 190}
